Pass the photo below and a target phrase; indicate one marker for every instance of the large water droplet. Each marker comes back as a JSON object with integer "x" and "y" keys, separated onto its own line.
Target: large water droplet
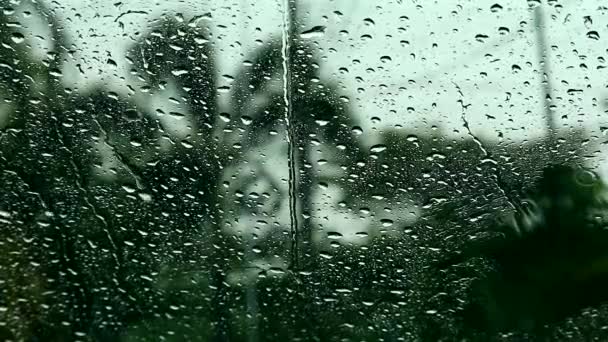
{"x": 17, "y": 37}
{"x": 315, "y": 32}
{"x": 593, "y": 35}
{"x": 496, "y": 8}
{"x": 378, "y": 148}
{"x": 179, "y": 72}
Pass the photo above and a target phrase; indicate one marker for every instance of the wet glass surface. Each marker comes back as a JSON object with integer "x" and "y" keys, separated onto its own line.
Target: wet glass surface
{"x": 302, "y": 170}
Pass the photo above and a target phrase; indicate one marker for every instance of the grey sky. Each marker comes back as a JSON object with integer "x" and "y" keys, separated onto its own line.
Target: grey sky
{"x": 402, "y": 61}
{"x": 418, "y": 74}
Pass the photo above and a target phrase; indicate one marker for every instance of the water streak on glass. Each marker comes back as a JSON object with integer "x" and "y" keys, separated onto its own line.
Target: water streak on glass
{"x": 290, "y": 132}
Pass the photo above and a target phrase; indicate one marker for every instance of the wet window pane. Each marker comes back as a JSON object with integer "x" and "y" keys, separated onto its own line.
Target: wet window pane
{"x": 302, "y": 170}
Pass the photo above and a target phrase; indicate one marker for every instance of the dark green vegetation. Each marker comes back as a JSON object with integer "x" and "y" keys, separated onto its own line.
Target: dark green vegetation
{"x": 152, "y": 247}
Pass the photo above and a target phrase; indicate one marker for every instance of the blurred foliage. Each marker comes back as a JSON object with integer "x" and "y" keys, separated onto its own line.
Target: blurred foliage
{"x": 114, "y": 228}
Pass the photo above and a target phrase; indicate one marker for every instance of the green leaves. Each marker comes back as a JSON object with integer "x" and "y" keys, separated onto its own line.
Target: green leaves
{"x": 550, "y": 260}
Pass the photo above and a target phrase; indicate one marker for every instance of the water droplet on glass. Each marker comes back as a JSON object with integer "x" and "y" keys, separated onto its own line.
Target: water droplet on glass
{"x": 412, "y": 138}
{"x": 223, "y": 89}
{"x": 369, "y": 22}
{"x": 315, "y": 32}
{"x": 55, "y": 72}
{"x": 246, "y": 120}
{"x": 481, "y": 37}
{"x": 321, "y": 122}
{"x": 495, "y": 8}
{"x": 366, "y": 37}
{"x": 593, "y": 35}
{"x": 334, "y": 235}
{"x": 179, "y": 72}
{"x": 200, "y": 40}
{"x": 378, "y": 148}
{"x": 386, "y": 222}
{"x": 17, "y": 37}
{"x": 325, "y": 255}
{"x": 225, "y": 117}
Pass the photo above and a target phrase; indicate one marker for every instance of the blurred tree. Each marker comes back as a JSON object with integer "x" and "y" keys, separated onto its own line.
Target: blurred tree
{"x": 550, "y": 257}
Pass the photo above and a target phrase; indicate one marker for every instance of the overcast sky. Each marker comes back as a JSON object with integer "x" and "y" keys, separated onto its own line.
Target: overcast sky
{"x": 431, "y": 46}
{"x": 406, "y": 63}
{"x": 400, "y": 61}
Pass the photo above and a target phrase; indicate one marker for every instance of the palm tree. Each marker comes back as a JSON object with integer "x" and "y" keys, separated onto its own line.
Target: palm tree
{"x": 180, "y": 53}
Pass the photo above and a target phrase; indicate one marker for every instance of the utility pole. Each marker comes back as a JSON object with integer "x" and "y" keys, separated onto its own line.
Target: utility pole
{"x": 543, "y": 56}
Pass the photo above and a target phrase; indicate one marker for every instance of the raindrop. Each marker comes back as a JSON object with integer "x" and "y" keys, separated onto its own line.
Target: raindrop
{"x": 378, "y": 148}
{"x": 145, "y": 197}
{"x": 179, "y": 72}
{"x": 176, "y": 47}
{"x": 412, "y": 138}
{"x": 533, "y": 3}
{"x": 385, "y": 59}
{"x": 366, "y": 37}
{"x": 223, "y": 89}
{"x": 496, "y": 8}
{"x": 386, "y": 222}
{"x": 225, "y": 117}
{"x": 315, "y": 32}
{"x": 17, "y": 37}
{"x": 177, "y": 115}
{"x": 593, "y": 35}
{"x": 325, "y": 255}
{"x": 574, "y": 91}
{"x": 246, "y": 120}
{"x": 200, "y": 40}
{"x": 481, "y": 37}
{"x": 587, "y": 20}
{"x": 369, "y": 22}
{"x": 334, "y": 235}
{"x": 55, "y": 72}
{"x": 128, "y": 189}
{"x": 321, "y": 122}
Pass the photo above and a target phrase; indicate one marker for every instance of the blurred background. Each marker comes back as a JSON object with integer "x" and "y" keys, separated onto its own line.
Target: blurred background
{"x": 301, "y": 170}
